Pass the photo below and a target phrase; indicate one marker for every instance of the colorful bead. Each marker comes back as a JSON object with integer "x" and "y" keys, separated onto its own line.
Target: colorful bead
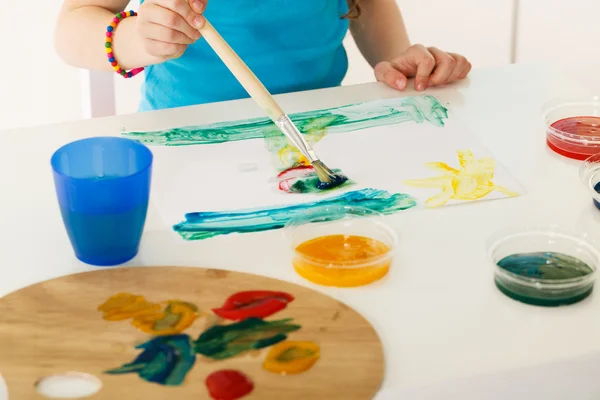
{"x": 108, "y": 45}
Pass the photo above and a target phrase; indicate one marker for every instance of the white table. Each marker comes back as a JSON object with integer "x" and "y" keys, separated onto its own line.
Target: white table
{"x": 438, "y": 312}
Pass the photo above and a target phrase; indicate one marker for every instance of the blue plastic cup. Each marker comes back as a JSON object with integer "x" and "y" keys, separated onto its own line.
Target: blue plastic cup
{"x": 103, "y": 188}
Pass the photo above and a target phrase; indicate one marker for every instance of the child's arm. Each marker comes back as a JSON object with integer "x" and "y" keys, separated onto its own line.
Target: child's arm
{"x": 381, "y": 36}
{"x": 161, "y": 31}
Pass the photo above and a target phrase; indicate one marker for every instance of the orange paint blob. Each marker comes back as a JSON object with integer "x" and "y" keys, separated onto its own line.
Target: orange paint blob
{"x": 342, "y": 260}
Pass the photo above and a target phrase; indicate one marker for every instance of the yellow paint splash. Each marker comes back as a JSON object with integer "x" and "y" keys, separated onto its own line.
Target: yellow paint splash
{"x": 167, "y": 318}
{"x": 288, "y": 155}
{"x": 472, "y": 181}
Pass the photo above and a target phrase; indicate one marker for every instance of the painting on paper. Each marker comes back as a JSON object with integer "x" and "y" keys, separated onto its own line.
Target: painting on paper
{"x": 410, "y": 147}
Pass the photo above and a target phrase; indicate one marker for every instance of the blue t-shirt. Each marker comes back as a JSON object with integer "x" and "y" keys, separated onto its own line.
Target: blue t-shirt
{"x": 290, "y": 45}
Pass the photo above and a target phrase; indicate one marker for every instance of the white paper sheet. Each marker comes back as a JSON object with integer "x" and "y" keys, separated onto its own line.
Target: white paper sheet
{"x": 236, "y": 175}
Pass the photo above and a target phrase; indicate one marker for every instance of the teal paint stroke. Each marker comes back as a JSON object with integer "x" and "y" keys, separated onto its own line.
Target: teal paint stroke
{"x": 204, "y": 225}
{"x": 347, "y": 118}
{"x": 225, "y": 341}
{"x": 165, "y": 360}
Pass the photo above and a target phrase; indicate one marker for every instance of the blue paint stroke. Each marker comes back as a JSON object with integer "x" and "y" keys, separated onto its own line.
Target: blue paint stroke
{"x": 418, "y": 109}
{"x": 165, "y": 360}
{"x": 204, "y": 225}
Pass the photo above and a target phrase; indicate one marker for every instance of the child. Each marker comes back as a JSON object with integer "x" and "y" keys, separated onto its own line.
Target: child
{"x": 290, "y": 45}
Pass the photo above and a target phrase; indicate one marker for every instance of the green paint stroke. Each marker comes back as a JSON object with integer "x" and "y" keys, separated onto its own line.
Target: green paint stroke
{"x": 225, "y": 341}
{"x": 165, "y": 360}
{"x": 204, "y": 225}
{"x": 348, "y": 118}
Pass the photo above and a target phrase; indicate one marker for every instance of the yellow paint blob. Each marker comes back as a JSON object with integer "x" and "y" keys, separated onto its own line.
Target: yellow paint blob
{"x": 471, "y": 181}
{"x": 342, "y": 260}
{"x": 123, "y": 306}
{"x": 166, "y": 318}
{"x": 291, "y": 357}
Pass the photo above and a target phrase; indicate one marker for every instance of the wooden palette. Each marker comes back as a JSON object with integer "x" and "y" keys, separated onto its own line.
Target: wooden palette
{"x": 54, "y": 327}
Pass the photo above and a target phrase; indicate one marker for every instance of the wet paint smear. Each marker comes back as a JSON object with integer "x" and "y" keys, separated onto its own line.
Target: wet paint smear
{"x": 156, "y": 319}
{"x": 347, "y": 118}
{"x": 342, "y": 260}
{"x": 579, "y": 126}
{"x": 304, "y": 179}
{"x": 165, "y": 360}
{"x": 257, "y": 303}
{"x": 597, "y": 189}
{"x": 291, "y": 357}
{"x": 203, "y": 225}
{"x": 228, "y": 384}
{"x": 225, "y": 341}
{"x": 471, "y": 181}
{"x": 547, "y": 266}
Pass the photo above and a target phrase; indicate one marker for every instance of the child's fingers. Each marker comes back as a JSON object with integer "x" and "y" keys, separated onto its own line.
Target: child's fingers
{"x": 164, "y": 34}
{"x": 198, "y": 6}
{"x": 425, "y": 62}
{"x": 178, "y": 15}
{"x": 385, "y": 72}
{"x": 445, "y": 66}
{"x": 462, "y": 69}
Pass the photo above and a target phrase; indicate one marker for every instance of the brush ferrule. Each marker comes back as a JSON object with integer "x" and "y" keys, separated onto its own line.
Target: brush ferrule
{"x": 285, "y": 124}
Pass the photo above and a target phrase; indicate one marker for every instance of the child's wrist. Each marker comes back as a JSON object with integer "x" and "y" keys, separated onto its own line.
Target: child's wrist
{"x": 123, "y": 46}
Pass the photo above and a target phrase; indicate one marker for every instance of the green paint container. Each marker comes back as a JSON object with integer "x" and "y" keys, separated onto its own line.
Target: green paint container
{"x": 544, "y": 266}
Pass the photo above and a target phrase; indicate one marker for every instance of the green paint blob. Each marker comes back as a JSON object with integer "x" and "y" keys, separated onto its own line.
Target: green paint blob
{"x": 544, "y": 278}
{"x": 348, "y": 118}
{"x": 165, "y": 360}
{"x": 225, "y": 341}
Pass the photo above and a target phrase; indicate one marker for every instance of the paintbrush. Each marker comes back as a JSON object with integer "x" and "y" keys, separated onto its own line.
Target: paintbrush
{"x": 265, "y": 100}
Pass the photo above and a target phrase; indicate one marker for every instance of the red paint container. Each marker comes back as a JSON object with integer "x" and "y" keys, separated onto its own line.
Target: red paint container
{"x": 573, "y": 126}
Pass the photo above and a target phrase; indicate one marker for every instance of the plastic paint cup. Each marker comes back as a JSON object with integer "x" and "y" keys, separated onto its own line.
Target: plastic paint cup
{"x": 103, "y": 189}
{"x": 573, "y": 126}
{"x": 543, "y": 239}
{"x": 353, "y": 230}
{"x": 589, "y": 172}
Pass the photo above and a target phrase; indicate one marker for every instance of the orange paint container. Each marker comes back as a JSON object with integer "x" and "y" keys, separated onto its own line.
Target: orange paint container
{"x": 341, "y": 246}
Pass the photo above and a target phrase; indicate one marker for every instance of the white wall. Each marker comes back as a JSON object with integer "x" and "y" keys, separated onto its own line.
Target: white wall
{"x": 37, "y": 88}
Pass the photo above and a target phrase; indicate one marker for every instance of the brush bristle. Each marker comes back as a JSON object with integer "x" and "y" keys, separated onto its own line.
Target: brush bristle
{"x": 328, "y": 179}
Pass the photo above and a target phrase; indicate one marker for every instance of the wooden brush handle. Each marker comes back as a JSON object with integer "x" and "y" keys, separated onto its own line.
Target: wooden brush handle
{"x": 240, "y": 70}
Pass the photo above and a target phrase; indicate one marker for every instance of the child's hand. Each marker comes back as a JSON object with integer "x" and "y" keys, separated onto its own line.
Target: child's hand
{"x": 429, "y": 66}
{"x": 167, "y": 27}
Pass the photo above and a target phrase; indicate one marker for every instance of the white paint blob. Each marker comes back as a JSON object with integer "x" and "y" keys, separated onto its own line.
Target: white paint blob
{"x": 71, "y": 385}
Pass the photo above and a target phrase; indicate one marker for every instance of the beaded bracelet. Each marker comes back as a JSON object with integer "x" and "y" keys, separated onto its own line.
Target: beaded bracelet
{"x": 109, "y": 51}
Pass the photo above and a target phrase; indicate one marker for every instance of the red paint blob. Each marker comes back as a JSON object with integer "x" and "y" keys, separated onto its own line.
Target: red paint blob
{"x": 576, "y": 146}
{"x": 228, "y": 384}
{"x": 255, "y": 303}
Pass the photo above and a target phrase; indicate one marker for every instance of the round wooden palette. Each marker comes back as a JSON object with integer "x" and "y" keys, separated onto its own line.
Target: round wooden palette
{"x": 54, "y": 327}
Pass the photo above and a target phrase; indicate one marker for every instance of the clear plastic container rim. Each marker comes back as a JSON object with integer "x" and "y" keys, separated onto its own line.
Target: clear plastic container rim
{"x": 551, "y": 230}
{"x": 559, "y": 102}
